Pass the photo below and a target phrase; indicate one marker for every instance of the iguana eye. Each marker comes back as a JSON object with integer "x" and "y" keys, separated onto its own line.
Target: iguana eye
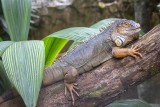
{"x": 125, "y": 24}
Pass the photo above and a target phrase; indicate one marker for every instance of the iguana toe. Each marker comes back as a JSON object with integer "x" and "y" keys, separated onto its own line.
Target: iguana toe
{"x": 71, "y": 87}
{"x": 133, "y": 51}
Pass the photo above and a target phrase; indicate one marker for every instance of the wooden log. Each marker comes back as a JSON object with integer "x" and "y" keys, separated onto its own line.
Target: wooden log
{"x": 102, "y": 85}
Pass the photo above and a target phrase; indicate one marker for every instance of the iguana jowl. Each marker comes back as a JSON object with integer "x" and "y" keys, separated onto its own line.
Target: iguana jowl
{"x": 90, "y": 54}
{"x": 93, "y": 52}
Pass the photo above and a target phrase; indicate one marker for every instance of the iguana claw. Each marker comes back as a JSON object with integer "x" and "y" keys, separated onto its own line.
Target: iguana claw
{"x": 71, "y": 88}
{"x": 133, "y": 51}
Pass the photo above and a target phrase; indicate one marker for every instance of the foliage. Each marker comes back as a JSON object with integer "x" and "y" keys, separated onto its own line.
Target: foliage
{"x": 23, "y": 61}
{"x": 17, "y": 16}
{"x": 52, "y": 48}
{"x": 24, "y": 65}
{"x": 131, "y": 103}
{"x": 141, "y": 33}
{"x": 4, "y": 45}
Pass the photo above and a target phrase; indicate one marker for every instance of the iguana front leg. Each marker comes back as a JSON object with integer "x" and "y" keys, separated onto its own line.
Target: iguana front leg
{"x": 124, "y": 52}
{"x": 70, "y": 81}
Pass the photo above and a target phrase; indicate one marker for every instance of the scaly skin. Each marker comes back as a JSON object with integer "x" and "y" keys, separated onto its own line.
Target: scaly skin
{"x": 92, "y": 53}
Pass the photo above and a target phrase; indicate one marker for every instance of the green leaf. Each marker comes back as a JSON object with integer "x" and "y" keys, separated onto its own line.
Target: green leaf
{"x": 24, "y": 65}
{"x": 77, "y": 34}
{"x": 55, "y": 42}
{"x": 104, "y": 23}
{"x": 129, "y": 103}
{"x": 141, "y": 33}
{"x": 17, "y": 15}
{"x": 4, "y": 45}
{"x": 53, "y": 46}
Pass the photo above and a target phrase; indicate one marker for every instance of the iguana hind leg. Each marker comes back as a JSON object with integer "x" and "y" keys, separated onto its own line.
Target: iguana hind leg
{"x": 69, "y": 81}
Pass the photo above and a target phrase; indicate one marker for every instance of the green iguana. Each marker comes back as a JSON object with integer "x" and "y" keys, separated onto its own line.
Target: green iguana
{"x": 92, "y": 53}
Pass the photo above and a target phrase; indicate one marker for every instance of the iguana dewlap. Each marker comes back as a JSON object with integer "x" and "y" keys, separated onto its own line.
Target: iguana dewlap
{"x": 93, "y": 52}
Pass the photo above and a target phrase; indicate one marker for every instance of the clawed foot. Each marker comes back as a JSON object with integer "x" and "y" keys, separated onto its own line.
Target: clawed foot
{"x": 133, "y": 51}
{"x": 72, "y": 87}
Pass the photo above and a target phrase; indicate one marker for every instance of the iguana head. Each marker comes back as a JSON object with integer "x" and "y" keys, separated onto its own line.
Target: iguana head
{"x": 125, "y": 31}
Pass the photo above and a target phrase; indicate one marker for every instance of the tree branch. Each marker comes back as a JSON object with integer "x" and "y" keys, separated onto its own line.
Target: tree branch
{"x": 103, "y": 84}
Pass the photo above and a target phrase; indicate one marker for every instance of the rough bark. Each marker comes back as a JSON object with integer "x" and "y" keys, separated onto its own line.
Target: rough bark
{"x": 103, "y": 84}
